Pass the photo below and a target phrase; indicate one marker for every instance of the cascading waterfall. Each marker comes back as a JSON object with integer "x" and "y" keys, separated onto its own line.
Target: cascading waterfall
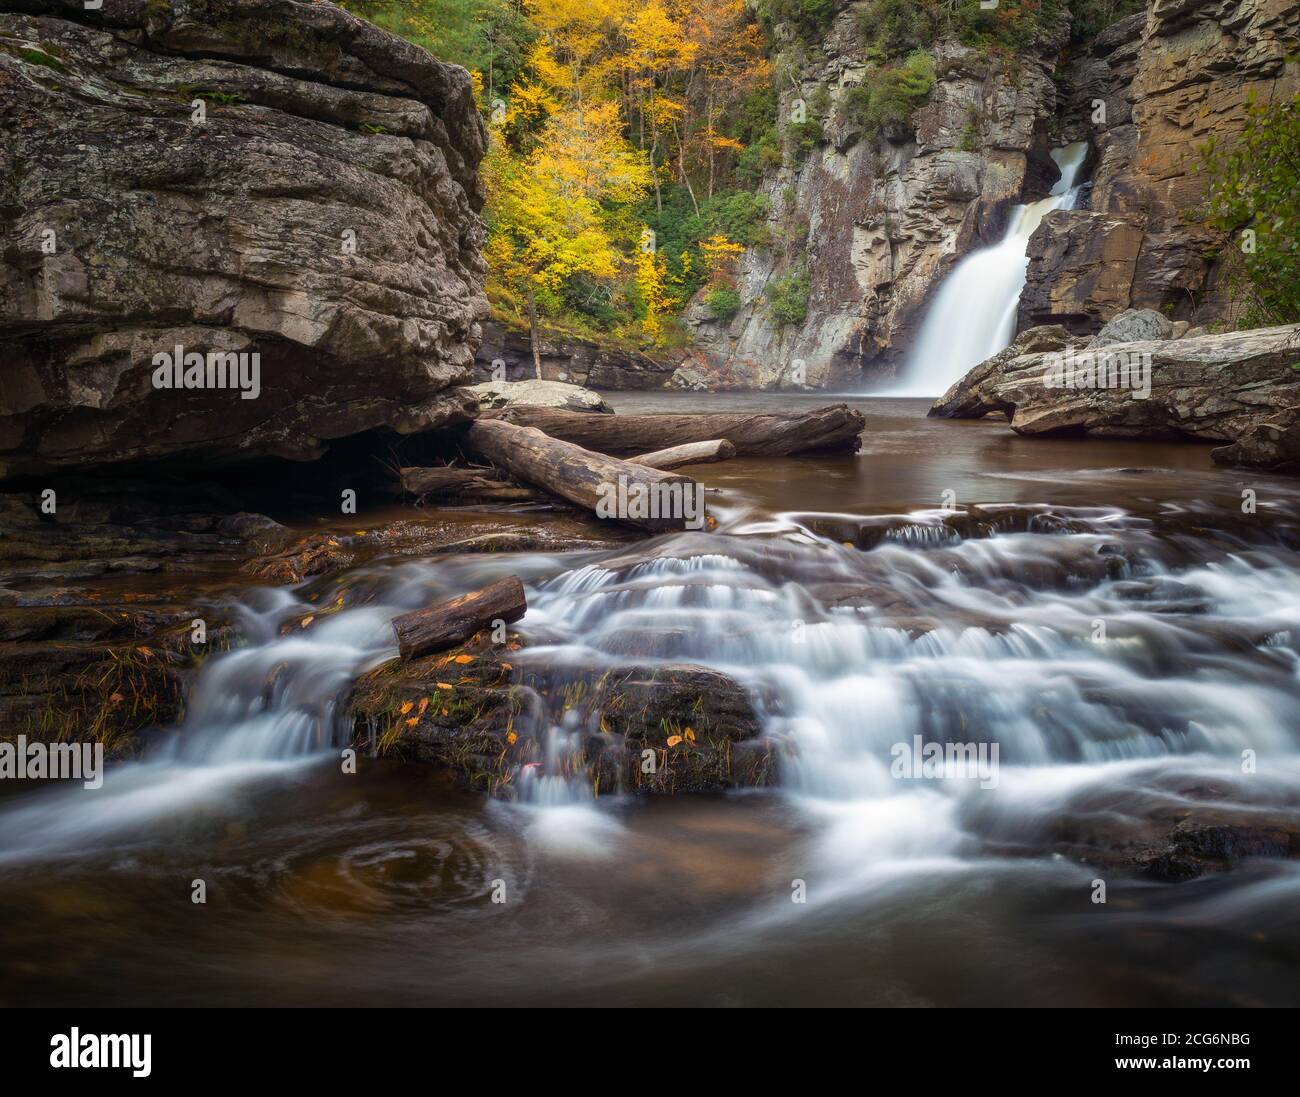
{"x": 996, "y": 645}
{"x": 974, "y": 313}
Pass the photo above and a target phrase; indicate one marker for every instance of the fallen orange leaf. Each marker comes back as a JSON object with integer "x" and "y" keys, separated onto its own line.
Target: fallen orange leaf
{"x": 673, "y": 740}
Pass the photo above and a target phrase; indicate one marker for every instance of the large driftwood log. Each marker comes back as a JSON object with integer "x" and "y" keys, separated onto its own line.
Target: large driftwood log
{"x": 693, "y": 453}
{"x": 635, "y": 494}
{"x": 445, "y": 624}
{"x": 836, "y": 428}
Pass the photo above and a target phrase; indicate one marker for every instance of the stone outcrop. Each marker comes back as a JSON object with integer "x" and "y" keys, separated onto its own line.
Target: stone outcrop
{"x": 1211, "y": 388}
{"x": 1152, "y": 89}
{"x": 876, "y": 222}
{"x": 483, "y": 714}
{"x": 263, "y": 177}
{"x": 494, "y": 395}
{"x": 506, "y": 355}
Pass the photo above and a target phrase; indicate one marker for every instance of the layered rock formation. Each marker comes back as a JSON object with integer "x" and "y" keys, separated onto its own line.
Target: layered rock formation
{"x": 1211, "y": 388}
{"x": 260, "y": 177}
{"x": 877, "y": 222}
{"x": 507, "y": 355}
{"x": 1151, "y": 90}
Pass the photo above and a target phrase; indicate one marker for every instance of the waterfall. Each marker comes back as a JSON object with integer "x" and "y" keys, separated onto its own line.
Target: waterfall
{"x": 974, "y": 313}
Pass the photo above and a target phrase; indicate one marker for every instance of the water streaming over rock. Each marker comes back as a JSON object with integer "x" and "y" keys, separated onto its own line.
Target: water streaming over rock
{"x": 1121, "y": 662}
{"x": 973, "y": 315}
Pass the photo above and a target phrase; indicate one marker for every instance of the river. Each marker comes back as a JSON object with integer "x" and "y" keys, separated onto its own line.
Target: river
{"x": 326, "y": 888}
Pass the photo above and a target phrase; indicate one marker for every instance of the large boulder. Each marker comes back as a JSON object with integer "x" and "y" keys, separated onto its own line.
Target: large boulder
{"x": 1273, "y": 445}
{"x": 493, "y": 395}
{"x": 247, "y": 177}
{"x": 1133, "y": 326}
{"x": 1212, "y": 388}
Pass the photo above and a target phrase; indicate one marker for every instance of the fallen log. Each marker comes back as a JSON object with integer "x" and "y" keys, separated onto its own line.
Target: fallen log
{"x": 833, "y": 429}
{"x": 445, "y": 624}
{"x": 692, "y": 453}
{"x": 641, "y": 496}
{"x": 463, "y": 485}
{"x": 442, "y": 481}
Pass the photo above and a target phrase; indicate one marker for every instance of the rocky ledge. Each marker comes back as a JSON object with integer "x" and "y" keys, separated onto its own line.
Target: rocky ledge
{"x": 1210, "y": 388}
{"x": 483, "y": 713}
{"x": 230, "y": 177}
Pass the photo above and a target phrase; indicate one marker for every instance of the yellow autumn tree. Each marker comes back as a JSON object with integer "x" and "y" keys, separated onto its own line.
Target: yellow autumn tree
{"x": 549, "y": 214}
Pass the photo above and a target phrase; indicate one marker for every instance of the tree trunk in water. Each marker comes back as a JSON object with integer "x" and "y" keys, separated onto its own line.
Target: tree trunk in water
{"x": 613, "y": 489}
{"x": 833, "y": 429}
{"x": 693, "y": 453}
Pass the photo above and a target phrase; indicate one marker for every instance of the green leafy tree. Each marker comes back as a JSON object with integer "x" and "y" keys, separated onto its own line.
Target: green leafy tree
{"x": 1254, "y": 197}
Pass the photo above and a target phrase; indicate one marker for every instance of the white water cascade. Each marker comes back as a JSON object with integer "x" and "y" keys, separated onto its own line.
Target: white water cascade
{"x": 974, "y": 313}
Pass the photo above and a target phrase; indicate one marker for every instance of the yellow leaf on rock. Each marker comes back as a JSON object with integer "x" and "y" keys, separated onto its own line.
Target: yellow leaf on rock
{"x": 463, "y": 659}
{"x": 673, "y": 740}
{"x": 412, "y": 721}
{"x": 407, "y": 707}
{"x": 512, "y": 738}
{"x": 444, "y": 685}
{"x": 690, "y": 734}
{"x": 424, "y": 704}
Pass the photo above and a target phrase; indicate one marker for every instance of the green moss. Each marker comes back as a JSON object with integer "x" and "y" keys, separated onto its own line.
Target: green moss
{"x": 34, "y": 56}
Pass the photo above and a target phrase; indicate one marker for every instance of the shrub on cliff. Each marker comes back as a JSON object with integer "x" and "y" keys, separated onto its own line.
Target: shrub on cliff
{"x": 723, "y": 302}
{"x": 787, "y": 297}
{"x": 886, "y": 101}
{"x": 1253, "y": 196}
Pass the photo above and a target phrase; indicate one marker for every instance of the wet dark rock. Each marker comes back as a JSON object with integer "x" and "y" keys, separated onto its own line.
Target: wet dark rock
{"x": 100, "y": 673}
{"x": 1273, "y": 446}
{"x": 483, "y": 712}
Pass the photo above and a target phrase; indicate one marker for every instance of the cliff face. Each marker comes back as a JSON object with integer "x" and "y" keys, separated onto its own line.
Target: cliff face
{"x": 877, "y": 222}
{"x": 887, "y": 218}
{"x": 1170, "y": 79}
{"x": 244, "y": 176}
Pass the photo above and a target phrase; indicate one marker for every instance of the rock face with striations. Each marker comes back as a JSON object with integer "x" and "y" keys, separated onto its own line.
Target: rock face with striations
{"x": 1148, "y": 93}
{"x": 243, "y": 176}
{"x": 1211, "y": 388}
{"x": 875, "y": 222}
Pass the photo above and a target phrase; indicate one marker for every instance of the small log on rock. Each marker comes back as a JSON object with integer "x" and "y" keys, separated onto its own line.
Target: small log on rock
{"x": 692, "y": 453}
{"x": 833, "y": 429}
{"x": 445, "y": 624}
{"x": 638, "y": 495}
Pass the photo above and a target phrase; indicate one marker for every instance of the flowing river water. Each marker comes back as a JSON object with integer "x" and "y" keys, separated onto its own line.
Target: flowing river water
{"x": 860, "y": 613}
